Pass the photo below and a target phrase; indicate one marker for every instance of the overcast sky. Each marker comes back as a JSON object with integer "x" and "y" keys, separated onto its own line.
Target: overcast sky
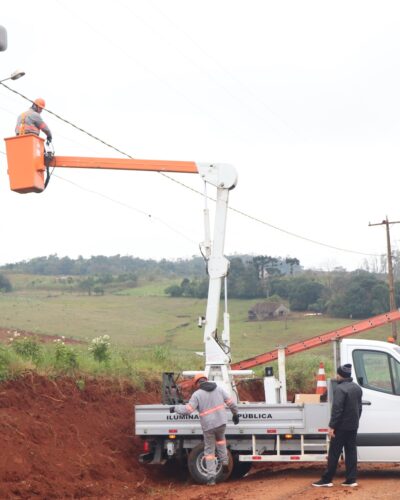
{"x": 303, "y": 97}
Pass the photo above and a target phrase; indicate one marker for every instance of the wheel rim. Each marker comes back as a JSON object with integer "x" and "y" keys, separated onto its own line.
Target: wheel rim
{"x": 202, "y": 467}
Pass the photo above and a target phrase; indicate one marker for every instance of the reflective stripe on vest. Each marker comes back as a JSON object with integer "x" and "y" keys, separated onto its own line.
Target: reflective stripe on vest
{"x": 212, "y": 410}
{"x": 209, "y": 457}
{"x": 22, "y": 126}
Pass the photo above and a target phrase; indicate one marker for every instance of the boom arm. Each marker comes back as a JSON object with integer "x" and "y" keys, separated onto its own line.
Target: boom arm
{"x": 26, "y": 166}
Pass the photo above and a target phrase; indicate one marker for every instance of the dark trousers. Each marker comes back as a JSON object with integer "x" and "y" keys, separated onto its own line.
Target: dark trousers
{"x": 346, "y": 440}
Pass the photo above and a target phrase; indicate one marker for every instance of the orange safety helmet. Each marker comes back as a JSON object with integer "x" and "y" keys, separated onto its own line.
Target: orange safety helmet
{"x": 39, "y": 102}
{"x": 391, "y": 340}
{"x": 198, "y": 377}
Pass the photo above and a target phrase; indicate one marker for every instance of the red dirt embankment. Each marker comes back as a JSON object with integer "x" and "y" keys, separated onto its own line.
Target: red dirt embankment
{"x": 61, "y": 441}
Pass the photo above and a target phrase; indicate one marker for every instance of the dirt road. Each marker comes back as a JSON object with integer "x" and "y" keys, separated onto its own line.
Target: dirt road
{"x": 64, "y": 438}
{"x": 294, "y": 482}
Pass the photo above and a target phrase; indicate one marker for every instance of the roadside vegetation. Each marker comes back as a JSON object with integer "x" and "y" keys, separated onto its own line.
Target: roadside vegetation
{"x": 22, "y": 354}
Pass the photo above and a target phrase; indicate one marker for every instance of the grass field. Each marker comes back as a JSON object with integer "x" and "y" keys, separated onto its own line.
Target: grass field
{"x": 144, "y": 317}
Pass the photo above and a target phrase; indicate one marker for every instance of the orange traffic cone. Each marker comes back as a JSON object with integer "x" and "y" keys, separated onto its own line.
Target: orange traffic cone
{"x": 321, "y": 380}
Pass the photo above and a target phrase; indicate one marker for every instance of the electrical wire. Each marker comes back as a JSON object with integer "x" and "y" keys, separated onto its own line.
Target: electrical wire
{"x": 196, "y": 65}
{"x": 130, "y": 207}
{"x": 231, "y": 75}
{"x": 143, "y": 66}
{"x": 240, "y": 212}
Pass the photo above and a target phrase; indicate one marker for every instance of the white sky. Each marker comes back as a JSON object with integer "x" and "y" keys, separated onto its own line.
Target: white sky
{"x": 303, "y": 97}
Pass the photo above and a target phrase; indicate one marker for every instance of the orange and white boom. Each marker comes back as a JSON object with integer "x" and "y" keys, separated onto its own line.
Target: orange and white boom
{"x": 26, "y": 167}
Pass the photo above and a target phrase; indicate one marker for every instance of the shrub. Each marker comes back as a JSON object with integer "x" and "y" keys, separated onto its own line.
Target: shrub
{"x": 161, "y": 353}
{"x": 26, "y": 347}
{"x": 4, "y": 362}
{"x": 66, "y": 357}
{"x": 100, "y": 348}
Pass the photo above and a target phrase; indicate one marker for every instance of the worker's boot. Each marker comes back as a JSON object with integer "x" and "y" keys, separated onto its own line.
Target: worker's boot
{"x": 211, "y": 481}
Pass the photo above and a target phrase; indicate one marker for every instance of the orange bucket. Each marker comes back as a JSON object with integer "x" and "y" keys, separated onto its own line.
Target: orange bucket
{"x": 25, "y": 158}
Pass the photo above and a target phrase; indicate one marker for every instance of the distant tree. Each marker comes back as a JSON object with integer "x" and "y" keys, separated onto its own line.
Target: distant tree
{"x": 292, "y": 262}
{"x": 5, "y": 284}
{"x": 174, "y": 291}
{"x": 360, "y": 295}
{"x": 304, "y": 292}
{"x": 87, "y": 285}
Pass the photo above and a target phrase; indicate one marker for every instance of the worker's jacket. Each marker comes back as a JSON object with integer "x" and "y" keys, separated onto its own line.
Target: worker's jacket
{"x": 30, "y": 122}
{"x": 209, "y": 401}
{"x": 346, "y": 406}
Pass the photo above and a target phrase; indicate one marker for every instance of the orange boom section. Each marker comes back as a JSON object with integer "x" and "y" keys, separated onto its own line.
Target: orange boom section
{"x": 26, "y": 163}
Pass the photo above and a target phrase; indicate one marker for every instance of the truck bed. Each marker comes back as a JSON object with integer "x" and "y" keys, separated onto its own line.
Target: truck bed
{"x": 255, "y": 419}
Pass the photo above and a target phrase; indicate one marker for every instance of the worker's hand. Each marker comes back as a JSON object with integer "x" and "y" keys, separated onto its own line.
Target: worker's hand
{"x": 172, "y": 409}
{"x": 235, "y": 419}
{"x": 331, "y": 433}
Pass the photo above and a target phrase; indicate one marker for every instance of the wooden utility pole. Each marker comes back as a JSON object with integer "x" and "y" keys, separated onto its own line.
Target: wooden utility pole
{"x": 392, "y": 299}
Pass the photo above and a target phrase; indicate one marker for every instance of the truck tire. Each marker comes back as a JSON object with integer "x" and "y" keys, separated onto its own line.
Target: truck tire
{"x": 240, "y": 469}
{"x": 197, "y": 466}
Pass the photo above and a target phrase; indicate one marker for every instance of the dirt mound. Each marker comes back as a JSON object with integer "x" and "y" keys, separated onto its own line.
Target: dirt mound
{"x": 64, "y": 441}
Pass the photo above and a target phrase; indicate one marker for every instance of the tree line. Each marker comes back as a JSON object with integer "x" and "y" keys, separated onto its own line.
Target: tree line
{"x": 357, "y": 294}
{"x": 339, "y": 293}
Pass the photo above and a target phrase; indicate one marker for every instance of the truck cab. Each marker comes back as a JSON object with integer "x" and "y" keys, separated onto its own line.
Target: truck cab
{"x": 376, "y": 369}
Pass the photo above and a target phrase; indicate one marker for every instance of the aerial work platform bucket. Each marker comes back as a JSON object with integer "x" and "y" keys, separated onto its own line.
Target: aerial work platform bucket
{"x": 25, "y": 158}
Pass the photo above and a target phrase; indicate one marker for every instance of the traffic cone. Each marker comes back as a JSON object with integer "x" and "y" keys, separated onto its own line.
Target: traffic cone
{"x": 321, "y": 380}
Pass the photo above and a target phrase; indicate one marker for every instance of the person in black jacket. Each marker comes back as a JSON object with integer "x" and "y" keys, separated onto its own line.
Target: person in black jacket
{"x": 343, "y": 426}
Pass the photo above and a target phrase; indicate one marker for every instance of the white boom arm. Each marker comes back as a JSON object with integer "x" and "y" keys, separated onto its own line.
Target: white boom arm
{"x": 217, "y": 349}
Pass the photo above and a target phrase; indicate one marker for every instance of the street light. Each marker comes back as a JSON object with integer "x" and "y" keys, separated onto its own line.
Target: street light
{"x": 14, "y": 76}
{"x": 3, "y": 39}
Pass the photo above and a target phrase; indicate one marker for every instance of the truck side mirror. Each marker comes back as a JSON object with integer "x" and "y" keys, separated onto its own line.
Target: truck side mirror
{"x": 3, "y": 39}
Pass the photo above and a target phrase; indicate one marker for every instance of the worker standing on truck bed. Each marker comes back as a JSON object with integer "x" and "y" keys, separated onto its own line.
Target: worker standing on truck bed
{"x": 30, "y": 122}
{"x": 343, "y": 426}
{"x": 210, "y": 400}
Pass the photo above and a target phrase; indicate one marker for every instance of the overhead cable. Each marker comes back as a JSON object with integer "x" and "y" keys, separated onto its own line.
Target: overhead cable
{"x": 240, "y": 212}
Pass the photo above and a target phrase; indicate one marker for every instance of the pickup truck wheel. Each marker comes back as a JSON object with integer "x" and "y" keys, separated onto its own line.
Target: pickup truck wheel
{"x": 240, "y": 469}
{"x": 197, "y": 466}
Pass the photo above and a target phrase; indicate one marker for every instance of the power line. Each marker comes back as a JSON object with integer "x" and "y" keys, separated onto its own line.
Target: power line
{"x": 68, "y": 122}
{"x": 244, "y": 214}
{"x": 198, "y": 66}
{"x": 231, "y": 75}
{"x": 146, "y": 68}
{"x": 130, "y": 207}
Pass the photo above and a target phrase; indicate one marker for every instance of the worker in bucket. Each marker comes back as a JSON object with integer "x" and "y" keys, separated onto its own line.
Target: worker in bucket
{"x": 30, "y": 122}
{"x": 343, "y": 427}
{"x": 210, "y": 400}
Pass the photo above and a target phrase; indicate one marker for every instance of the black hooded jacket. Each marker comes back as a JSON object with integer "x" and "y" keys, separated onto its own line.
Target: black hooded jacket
{"x": 346, "y": 406}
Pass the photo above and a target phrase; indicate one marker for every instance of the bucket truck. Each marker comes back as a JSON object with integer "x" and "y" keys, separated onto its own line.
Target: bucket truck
{"x": 273, "y": 430}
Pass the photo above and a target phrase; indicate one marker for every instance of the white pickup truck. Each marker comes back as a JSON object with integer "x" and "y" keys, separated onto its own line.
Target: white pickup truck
{"x": 284, "y": 431}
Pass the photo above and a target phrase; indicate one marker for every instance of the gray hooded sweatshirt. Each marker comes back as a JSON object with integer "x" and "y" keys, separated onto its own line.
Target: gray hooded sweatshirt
{"x": 209, "y": 400}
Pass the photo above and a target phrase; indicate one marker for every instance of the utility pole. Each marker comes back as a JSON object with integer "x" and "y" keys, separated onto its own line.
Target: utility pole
{"x": 392, "y": 299}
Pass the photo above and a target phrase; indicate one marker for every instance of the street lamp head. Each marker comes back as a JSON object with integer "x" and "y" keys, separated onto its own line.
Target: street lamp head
{"x": 17, "y": 74}
{"x": 14, "y": 76}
